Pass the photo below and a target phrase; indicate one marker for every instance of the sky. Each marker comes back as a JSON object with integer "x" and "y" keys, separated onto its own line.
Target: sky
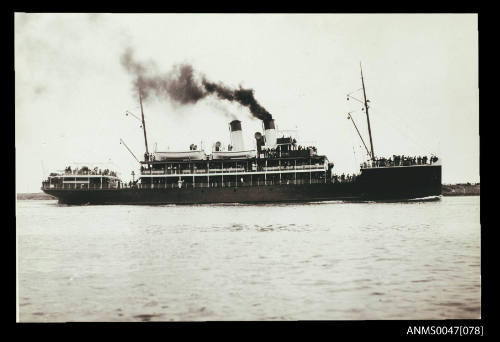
{"x": 72, "y": 91}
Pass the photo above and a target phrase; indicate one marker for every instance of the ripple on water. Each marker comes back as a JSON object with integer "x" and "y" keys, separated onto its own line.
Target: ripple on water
{"x": 147, "y": 317}
{"x": 422, "y": 280}
{"x": 452, "y": 304}
{"x": 368, "y": 261}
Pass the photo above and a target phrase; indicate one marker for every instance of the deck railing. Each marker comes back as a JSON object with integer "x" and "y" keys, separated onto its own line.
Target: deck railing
{"x": 80, "y": 173}
{"x": 72, "y": 186}
{"x": 183, "y": 185}
{"x": 241, "y": 170}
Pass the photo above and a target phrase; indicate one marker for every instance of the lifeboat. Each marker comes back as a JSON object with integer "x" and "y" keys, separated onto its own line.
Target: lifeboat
{"x": 233, "y": 154}
{"x": 190, "y": 155}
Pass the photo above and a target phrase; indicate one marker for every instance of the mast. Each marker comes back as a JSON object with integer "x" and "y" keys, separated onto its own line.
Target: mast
{"x": 143, "y": 124}
{"x": 367, "y": 116}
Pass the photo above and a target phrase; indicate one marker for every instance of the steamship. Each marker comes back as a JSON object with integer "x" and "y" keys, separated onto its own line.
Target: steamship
{"x": 277, "y": 169}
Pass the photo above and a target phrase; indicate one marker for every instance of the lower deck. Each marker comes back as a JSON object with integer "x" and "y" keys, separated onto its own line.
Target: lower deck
{"x": 254, "y": 194}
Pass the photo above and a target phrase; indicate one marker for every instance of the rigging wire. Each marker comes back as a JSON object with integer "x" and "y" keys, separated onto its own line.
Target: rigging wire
{"x": 353, "y": 137}
{"x": 407, "y": 135}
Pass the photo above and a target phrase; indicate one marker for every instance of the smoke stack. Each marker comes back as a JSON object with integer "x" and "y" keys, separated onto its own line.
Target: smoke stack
{"x": 236, "y": 135}
{"x": 270, "y": 133}
{"x": 259, "y": 141}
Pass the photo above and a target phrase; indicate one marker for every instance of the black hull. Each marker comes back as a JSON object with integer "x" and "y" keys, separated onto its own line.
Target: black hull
{"x": 382, "y": 184}
{"x": 404, "y": 182}
{"x": 256, "y": 194}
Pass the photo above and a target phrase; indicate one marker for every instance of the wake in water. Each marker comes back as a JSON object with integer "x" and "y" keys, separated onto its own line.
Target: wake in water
{"x": 411, "y": 200}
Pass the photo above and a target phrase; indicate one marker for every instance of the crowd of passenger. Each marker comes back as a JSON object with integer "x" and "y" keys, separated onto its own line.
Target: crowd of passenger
{"x": 298, "y": 151}
{"x": 344, "y": 178}
{"x": 149, "y": 157}
{"x": 401, "y": 160}
{"x": 85, "y": 170}
{"x": 131, "y": 184}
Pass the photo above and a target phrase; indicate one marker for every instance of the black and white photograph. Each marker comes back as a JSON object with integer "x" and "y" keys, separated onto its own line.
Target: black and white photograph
{"x": 200, "y": 167}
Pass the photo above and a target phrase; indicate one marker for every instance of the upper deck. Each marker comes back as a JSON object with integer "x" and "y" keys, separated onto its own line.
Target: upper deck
{"x": 173, "y": 168}
{"x": 282, "y": 151}
{"x": 275, "y": 169}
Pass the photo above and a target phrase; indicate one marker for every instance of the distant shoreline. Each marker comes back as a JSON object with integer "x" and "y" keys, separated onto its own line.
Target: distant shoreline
{"x": 466, "y": 189}
{"x": 35, "y": 196}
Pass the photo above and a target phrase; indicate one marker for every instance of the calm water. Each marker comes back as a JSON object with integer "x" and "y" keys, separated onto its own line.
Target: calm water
{"x": 249, "y": 262}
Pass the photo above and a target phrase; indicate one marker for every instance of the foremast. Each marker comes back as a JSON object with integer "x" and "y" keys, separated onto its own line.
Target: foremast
{"x": 143, "y": 124}
{"x": 367, "y": 115}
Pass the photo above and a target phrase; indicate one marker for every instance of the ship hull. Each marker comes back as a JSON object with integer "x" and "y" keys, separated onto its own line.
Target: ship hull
{"x": 375, "y": 184}
{"x": 254, "y": 194}
{"x": 378, "y": 184}
{"x": 404, "y": 182}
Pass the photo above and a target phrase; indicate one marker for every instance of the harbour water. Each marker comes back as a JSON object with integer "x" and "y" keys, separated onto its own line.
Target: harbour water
{"x": 312, "y": 261}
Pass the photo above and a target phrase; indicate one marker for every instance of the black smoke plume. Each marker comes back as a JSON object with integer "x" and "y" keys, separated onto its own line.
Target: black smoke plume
{"x": 183, "y": 87}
